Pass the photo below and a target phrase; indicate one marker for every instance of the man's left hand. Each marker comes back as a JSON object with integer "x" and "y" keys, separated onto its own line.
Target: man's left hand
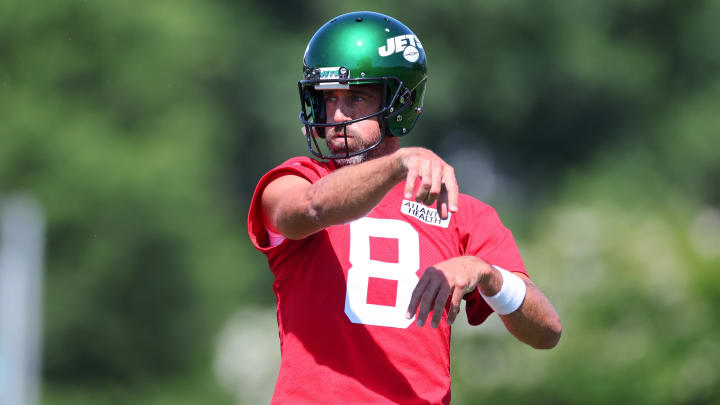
{"x": 453, "y": 277}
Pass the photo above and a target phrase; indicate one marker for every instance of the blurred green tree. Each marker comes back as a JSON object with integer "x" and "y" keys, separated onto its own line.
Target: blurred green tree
{"x": 143, "y": 128}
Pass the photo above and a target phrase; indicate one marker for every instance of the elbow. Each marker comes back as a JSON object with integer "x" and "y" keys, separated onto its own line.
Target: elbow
{"x": 314, "y": 207}
{"x": 314, "y": 213}
{"x": 298, "y": 224}
{"x": 550, "y": 336}
{"x": 322, "y": 213}
{"x": 311, "y": 218}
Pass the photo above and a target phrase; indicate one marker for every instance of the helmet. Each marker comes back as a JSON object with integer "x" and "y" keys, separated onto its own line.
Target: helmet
{"x": 357, "y": 49}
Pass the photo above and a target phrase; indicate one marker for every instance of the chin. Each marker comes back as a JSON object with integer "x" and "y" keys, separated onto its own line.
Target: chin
{"x": 351, "y": 160}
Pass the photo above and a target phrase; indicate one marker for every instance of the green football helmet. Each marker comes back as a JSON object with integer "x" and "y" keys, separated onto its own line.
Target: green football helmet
{"x": 357, "y": 49}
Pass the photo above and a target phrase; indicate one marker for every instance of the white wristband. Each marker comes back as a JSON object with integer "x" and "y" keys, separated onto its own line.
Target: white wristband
{"x": 510, "y": 296}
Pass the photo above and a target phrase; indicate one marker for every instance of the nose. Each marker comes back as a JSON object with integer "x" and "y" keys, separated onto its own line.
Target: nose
{"x": 341, "y": 113}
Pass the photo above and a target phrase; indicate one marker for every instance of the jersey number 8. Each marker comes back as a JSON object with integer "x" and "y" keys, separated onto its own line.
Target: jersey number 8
{"x": 362, "y": 268}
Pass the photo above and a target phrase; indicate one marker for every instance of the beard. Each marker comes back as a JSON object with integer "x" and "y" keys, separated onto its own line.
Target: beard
{"x": 353, "y": 160}
{"x": 355, "y": 143}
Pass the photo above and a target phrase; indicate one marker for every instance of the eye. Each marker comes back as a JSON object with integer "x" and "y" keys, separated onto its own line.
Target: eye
{"x": 330, "y": 99}
{"x": 357, "y": 98}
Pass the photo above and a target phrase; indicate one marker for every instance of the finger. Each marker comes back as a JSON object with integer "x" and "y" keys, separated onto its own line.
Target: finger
{"x": 426, "y": 301}
{"x": 439, "y": 306}
{"x": 425, "y": 182}
{"x": 455, "y": 300}
{"x": 442, "y": 203}
{"x": 452, "y": 188}
{"x": 416, "y": 294}
{"x": 435, "y": 184}
{"x": 410, "y": 182}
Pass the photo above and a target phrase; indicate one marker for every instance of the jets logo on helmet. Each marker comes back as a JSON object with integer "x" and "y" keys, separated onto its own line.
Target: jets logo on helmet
{"x": 359, "y": 49}
{"x": 402, "y": 43}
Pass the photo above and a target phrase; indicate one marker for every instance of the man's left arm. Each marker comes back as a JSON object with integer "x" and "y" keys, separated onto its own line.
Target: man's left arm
{"x": 534, "y": 322}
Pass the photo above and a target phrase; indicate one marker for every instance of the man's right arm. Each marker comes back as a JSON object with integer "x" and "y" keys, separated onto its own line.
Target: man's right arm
{"x": 296, "y": 208}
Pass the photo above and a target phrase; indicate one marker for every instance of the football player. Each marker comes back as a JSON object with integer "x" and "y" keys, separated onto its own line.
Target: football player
{"x": 371, "y": 245}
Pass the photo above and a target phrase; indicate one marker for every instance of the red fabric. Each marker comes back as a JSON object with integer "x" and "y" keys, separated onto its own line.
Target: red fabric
{"x": 382, "y": 291}
{"x": 326, "y": 358}
{"x": 384, "y": 249}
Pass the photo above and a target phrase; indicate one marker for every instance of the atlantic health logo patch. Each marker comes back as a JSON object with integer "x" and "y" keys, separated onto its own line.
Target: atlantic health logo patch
{"x": 426, "y": 214}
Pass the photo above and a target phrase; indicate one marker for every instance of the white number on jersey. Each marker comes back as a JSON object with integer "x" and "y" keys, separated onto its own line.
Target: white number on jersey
{"x": 362, "y": 268}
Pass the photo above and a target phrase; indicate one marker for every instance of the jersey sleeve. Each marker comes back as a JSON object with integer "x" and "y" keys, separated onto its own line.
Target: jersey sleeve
{"x": 486, "y": 237}
{"x": 309, "y": 169}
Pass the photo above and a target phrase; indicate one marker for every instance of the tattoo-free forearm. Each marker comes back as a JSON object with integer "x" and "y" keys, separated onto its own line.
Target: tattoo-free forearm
{"x": 535, "y": 322}
{"x": 296, "y": 208}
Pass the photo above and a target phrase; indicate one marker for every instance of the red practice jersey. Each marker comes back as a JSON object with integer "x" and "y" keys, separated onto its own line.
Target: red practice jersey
{"x": 342, "y": 295}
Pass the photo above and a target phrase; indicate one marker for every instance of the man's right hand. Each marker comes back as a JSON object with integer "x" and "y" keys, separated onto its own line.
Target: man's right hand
{"x": 437, "y": 179}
